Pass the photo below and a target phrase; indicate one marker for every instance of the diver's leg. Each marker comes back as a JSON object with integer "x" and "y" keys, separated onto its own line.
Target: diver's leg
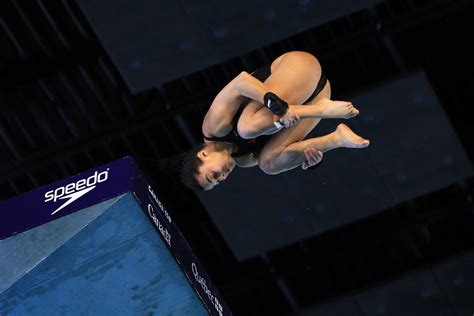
{"x": 294, "y": 76}
{"x": 277, "y": 157}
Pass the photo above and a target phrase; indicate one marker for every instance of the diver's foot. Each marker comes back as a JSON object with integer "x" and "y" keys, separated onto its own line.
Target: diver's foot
{"x": 347, "y": 138}
{"x": 335, "y": 109}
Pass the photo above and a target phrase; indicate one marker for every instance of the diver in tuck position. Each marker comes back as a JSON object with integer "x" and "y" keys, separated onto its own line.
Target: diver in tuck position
{"x": 250, "y": 123}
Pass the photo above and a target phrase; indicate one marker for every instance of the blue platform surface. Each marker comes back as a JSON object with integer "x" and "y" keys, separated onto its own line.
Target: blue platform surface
{"x": 103, "y": 246}
{"x": 116, "y": 264}
{"x": 26, "y": 250}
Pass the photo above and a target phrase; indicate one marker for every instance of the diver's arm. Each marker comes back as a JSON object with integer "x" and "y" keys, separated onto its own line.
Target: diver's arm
{"x": 250, "y": 87}
{"x": 219, "y": 117}
{"x": 247, "y": 161}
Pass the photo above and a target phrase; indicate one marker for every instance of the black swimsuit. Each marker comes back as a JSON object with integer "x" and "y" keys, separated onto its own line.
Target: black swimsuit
{"x": 254, "y": 145}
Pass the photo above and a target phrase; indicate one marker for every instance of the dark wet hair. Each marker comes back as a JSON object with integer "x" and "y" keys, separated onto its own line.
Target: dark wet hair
{"x": 181, "y": 169}
{"x": 190, "y": 164}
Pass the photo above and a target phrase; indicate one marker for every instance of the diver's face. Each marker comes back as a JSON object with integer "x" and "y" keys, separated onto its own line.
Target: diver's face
{"x": 216, "y": 167}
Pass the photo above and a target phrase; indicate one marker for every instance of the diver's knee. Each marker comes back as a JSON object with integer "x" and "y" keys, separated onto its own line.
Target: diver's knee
{"x": 266, "y": 163}
{"x": 245, "y": 130}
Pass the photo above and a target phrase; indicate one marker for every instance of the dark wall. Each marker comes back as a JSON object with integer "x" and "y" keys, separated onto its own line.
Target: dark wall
{"x": 156, "y": 41}
{"x": 440, "y": 290}
{"x": 413, "y": 151}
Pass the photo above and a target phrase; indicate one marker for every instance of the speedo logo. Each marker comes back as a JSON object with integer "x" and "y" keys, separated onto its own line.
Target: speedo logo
{"x": 75, "y": 190}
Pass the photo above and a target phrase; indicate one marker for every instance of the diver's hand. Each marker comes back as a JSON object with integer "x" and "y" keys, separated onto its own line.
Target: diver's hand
{"x": 312, "y": 157}
{"x": 289, "y": 119}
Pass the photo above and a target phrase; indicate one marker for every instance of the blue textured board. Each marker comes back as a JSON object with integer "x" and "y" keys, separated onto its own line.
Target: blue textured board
{"x": 23, "y": 252}
{"x": 117, "y": 264}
